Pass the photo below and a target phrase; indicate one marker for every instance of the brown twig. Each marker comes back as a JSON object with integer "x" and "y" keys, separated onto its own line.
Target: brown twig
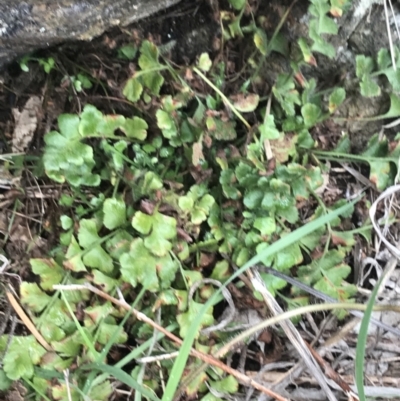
{"x": 331, "y": 374}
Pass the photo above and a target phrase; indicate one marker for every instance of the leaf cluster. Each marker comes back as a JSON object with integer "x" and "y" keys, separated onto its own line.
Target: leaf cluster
{"x": 187, "y": 180}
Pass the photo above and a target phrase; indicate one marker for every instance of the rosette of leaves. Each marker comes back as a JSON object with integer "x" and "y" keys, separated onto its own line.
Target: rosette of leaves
{"x": 196, "y": 204}
{"x": 55, "y": 323}
{"x": 327, "y": 274}
{"x": 66, "y": 156}
{"x": 368, "y": 70}
{"x": 321, "y": 25}
{"x": 278, "y": 193}
{"x": 148, "y": 260}
{"x": 148, "y": 77}
{"x": 173, "y": 123}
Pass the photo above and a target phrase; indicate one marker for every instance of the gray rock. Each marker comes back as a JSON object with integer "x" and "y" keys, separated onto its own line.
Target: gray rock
{"x": 29, "y": 25}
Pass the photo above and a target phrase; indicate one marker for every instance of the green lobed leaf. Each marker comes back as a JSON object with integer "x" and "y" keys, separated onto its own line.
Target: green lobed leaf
{"x": 104, "y": 281}
{"x": 141, "y": 266}
{"x": 380, "y": 174}
{"x": 114, "y": 213}
{"x": 320, "y": 45}
{"x": 273, "y": 283}
{"x": 33, "y": 296}
{"x": 227, "y": 385}
{"x": 383, "y": 59}
{"x": 63, "y": 392}
{"x": 66, "y": 222}
{"x": 85, "y": 81}
{"x": 142, "y": 222}
{"x": 393, "y": 76}
{"x": 65, "y": 158}
{"x": 106, "y": 332}
{"x": 148, "y": 55}
{"x": 158, "y": 245}
{"x": 68, "y": 125}
{"x": 364, "y": 65}
{"x": 221, "y": 130}
{"x": 331, "y": 283}
{"x": 286, "y": 93}
{"x": 266, "y": 225}
{"x": 253, "y": 198}
{"x": 221, "y": 271}
{"x": 96, "y": 257}
{"x": 237, "y": 4}
{"x": 23, "y": 353}
{"x": 186, "y": 319}
{"x": 186, "y": 203}
{"x": 166, "y": 123}
{"x": 118, "y": 244}
{"x": 87, "y": 234}
{"x": 135, "y": 128}
{"x": 74, "y": 257}
{"x": 210, "y": 397}
{"x": 369, "y": 88}
{"x": 151, "y": 183}
{"x": 69, "y": 346}
{"x": 394, "y": 110}
{"x": 291, "y": 257}
{"x": 91, "y": 118}
{"x": 206, "y": 203}
{"x": 133, "y": 89}
{"x": 101, "y": 391}
{"x": 49, "y": 271}
{"x": 268, "y": 129}
{"x": 343, "y": 238}
{"x": 154, "y": 81}
{"x": 109, "y": 123}
{"x": 336, "y": 98}
{"x": 261, "y": 41}
{"x": 205, "y": 62}
{"x": 164, "y": 226}
{"x": 311, "y": 114}
{"x": 324, "y": 24}
{"x": 5, "y": 382}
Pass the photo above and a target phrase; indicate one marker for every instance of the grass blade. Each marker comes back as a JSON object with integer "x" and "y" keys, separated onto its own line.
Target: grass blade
{"x": 123, "y": 377}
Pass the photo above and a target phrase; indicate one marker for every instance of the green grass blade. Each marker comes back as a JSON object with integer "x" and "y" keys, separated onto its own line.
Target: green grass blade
{"x": 284, "y": 242}
{"x": 135, "y": 353}
{"x": 112, "y": 339}
{"x": 80, "y": 329}
{"x": 123, "y": 377}
{"x": 362, "y": 341}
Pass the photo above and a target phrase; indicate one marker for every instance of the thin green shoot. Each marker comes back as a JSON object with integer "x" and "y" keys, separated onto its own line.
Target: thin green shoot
{"x": 223, "y": 97}
{"x": 37, "y": 390}
{"x": 90, "y": 379}
{"x": 123, "y": 377}
{"x": 80, "y": 329}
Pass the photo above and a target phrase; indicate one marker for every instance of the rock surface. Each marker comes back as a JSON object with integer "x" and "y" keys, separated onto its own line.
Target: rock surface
{"x": 29, "y": 25}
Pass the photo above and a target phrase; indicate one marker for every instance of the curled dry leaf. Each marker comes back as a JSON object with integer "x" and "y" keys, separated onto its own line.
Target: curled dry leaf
{"x": 245, "y": 103}
{"x": 25, "y": 124}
